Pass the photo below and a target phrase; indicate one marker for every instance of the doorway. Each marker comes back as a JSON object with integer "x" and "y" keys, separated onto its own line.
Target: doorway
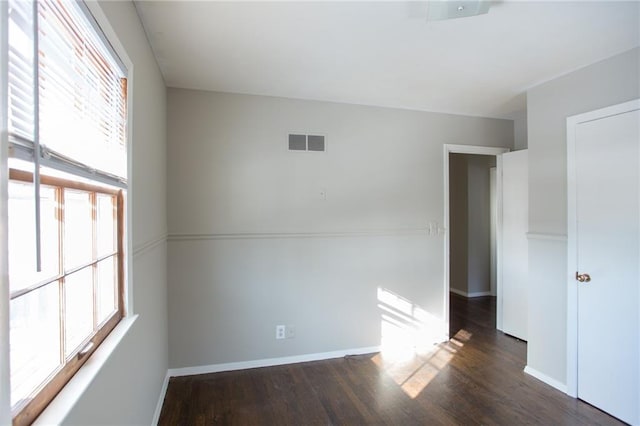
{"x": 477, "y": 160}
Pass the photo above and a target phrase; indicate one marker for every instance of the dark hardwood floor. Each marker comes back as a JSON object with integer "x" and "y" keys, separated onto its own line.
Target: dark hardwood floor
{"x": 475, "y": 378}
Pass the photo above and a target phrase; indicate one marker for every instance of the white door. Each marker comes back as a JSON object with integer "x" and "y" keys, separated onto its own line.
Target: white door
{"x": 606, "y": 158}
{"x": 515, "y": 257}
{"x": 493, "y": 230}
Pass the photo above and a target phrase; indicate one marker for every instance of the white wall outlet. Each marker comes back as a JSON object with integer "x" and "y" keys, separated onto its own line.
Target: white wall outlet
{"x": 280, "y": 332}
{"x": 290, "y": 332}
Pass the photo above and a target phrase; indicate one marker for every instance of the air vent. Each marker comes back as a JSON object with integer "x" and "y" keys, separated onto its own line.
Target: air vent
{"x": 315, "y": 143}
{"x": 298, "y": 142}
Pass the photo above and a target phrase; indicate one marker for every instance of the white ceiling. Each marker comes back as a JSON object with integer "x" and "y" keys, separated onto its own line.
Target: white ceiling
{"x": 384, "y": 53}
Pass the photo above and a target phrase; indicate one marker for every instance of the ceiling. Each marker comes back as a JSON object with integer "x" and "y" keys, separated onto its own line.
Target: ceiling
{"x": 384, "y": 53}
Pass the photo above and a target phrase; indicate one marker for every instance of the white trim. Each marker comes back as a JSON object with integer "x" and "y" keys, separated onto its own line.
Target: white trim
{"x": 572, "y": 232}
{"x": 499, "y": 219}
{"x": 546, "y": 379}
{"x": 470, "y": 295}
{"x": 163, "y": 393}
{"x": 281, "y": 235}
{"x": 480, "y": 294}
{"x": 147, "y": 246}
{"x": 545, "y": 236}
{"x": 458, "y": 292}
{"x": 269, "y": 362}
{"x": 493, "y": 231}
{"x": 474, "y": 149}
{"x": 478, "y": 150}
{"x": 572, "y": 290}
{"x": 57, "y": 411}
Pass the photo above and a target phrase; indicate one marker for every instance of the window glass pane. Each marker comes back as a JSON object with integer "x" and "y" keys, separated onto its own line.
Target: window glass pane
{"x": 106, "y": 224}
{"x": 22, "y": 231}
{"x": 78, "y": 308}
{"x": 107, "y": 288}
{"x": 78, "y": 229}
{"x": 35, "y": 339}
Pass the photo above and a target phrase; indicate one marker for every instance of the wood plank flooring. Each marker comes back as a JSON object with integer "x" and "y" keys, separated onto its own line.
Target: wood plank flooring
{"x": 474, "y": 379}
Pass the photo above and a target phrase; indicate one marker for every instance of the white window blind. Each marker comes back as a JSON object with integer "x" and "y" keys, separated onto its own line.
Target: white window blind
{"x": 21, "y": 93}
{"x": 73, "y": 118}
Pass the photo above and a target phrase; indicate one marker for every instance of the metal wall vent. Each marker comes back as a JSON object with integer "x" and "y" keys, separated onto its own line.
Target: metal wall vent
{"x": 299, "y": 142}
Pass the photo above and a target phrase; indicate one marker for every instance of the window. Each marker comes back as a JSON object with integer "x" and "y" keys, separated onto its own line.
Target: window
{"x": 67, "y": 98}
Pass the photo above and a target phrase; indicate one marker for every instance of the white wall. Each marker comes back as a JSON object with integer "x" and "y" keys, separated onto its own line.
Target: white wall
{"x": 605, "y": 83}
{"x": 126, "y": 390}
{"x": 253, "y": 243}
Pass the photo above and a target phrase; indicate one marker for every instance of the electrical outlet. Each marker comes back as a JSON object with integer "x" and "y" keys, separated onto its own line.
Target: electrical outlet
{"x": 290, "y": 332}
{"x": 280, "y": 332}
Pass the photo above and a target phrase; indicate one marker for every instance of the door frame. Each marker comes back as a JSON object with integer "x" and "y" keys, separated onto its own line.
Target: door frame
{"x": 476, "y": 150}
{"x": 572, "y": 229}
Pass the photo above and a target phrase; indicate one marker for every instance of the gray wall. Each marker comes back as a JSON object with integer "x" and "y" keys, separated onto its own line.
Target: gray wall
{"x": 126, "y": 390}
{"x": 458, "y": 223}
{"x": 479, "y": 217}
{"x": 520, "y": 130}
{"x": 605, "y": 83}
{"x": 470, "y": 254}
{"x": 254, "y": 243}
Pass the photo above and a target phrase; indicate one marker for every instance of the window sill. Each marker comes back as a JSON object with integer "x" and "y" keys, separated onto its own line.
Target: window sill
{"x": 63, "y": 403}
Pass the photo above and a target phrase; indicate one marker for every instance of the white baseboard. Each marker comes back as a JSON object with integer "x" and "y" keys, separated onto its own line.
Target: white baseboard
{"x": 469, "y": 295}
{"x": 268, "y": 362}
{"x": 163, "y": 392}
{"x": 244, "y": 365}
{"x": 546, "y": 379}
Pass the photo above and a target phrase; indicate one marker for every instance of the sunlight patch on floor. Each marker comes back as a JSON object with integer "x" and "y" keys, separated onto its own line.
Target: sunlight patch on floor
{"x": 410, "y": 352}
{"x": 414, "y": 370}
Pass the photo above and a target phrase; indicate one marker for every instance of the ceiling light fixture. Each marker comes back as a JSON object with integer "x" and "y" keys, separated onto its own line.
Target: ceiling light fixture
{"x": 439, "y": 10}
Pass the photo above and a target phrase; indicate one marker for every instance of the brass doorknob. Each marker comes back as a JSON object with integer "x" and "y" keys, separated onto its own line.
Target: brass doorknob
{"x": 583, "y": 278}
